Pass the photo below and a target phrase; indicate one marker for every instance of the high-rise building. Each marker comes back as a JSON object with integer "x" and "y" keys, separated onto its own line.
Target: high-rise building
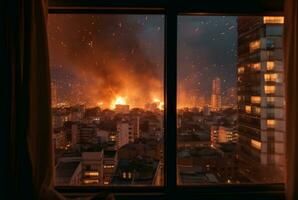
{"x": 123, "y": 133}
{"x": 216, "y": 95}
{"x": 230, "y": 98}
{"x": 54, "y": 94}
{"x": 261, "y": 124}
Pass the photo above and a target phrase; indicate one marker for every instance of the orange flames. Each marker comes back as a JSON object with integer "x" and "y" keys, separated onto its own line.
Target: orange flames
{"x": 119, "y": 100}
{"x": 124, "y": 100}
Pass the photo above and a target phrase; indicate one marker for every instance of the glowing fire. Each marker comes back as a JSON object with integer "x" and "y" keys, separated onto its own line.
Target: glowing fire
{"x": 159, "y": 103}
{"x": 100, "y": 104}
{"x": 118, "y": 101}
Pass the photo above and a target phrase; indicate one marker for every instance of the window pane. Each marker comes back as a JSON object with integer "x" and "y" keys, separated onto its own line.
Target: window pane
{"x": 107, "y": 98}
{"x": 231, "y": 124}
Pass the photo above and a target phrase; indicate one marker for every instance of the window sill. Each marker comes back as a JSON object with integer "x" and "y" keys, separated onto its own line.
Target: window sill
{"x": 216, "y": 192}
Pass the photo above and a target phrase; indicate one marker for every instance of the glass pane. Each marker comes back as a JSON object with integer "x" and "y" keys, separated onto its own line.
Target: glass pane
{"x": 107, "y": 98}
{"x": 231, "y": 108}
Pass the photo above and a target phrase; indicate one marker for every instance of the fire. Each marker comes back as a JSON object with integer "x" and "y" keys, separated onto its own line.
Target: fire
{"x": 156, "y": 100}
{"x": 100, "y": 104}
{"x": 118, "y": 101}
{"x": 159, "y": 103}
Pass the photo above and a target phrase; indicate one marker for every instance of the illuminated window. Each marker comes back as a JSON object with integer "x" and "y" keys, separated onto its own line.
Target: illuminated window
{"x": 255, "y": 99}
{"x": 269, "y": 89}
{"x": 270, "y": 99}
{"x": 240, "y": 70}
{"x": 256, "y": 144}
{"x": 248, "y": 109}
{"x": 270, "y": 122}
{"x": 257, "y": 110}
{"x": 106, "y": 182}
{"x": 108, "y": 166}
{"x": 129, "y": 175}
{"x": 254, "y": 45}
{"x": 273, "y": 20}
{"x": 91, "y": 181}
{"x": 256, "y": 66}
{"x": 124, "y": 175}
{"x": 270, "y": 77}
{"x": 91, "y": 173}
{"x": 270, "y": 65}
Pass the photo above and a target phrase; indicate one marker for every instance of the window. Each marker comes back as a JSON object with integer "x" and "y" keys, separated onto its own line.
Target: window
{"x": 271, "y": 77}
{"x": 270, "y": 65}
{"x": 241, "y": 70}
{"x": 256, "y": 66}
{"x": 248, "y": 109}
{"x": 255, "y": 99}
{"x": 256, "y": 144}
{"x": 273, "y": 20}
{"x": 271, "y": 123}
{"x": 221, "y": 133}
{"x": 269, "y": 89}
{"x": 217, "y": 135}
{"x": 107, "y": 98}
{"x": 254, "y": 45}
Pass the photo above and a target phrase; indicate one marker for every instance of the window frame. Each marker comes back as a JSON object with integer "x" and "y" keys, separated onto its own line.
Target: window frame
{"x": 171, "y": 10}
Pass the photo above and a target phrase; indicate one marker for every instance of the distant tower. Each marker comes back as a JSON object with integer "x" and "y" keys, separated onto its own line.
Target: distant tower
{"x": 231, "y": 97}
{"x": 54, "y": 94}
{"x": 216, "y": 95}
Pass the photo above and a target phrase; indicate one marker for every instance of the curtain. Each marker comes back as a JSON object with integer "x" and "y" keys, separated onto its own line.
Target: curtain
{"x": 291, "y": 67}
{"x": 26, "y": 75}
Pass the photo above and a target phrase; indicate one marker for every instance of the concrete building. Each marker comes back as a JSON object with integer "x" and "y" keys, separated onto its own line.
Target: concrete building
{"x": 109, "y": 165}
{"x": 222, "y": 134}
{"x": 123, "y": 132}
{"x": 92, "y": 168}
{"x": 216, "y": 95}
{"x": 261, "y": 108}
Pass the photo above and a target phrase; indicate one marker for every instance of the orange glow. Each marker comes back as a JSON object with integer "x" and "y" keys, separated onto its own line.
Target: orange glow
{"x": 159, "y": 103}
{"x": 240, "y": 70}
{"x": 118, "y": 101}
{"x": 270, "y": 65}
{"x": 273, "y": 20}
{"x": 100, "y": 104}
{"x": 255, "y": 99}
{"x": 91, "y": 174}
{"x": 269, "y": 89}
{"x": 248, "y": 109}
{"x": 90, "y": 181}
{"x": 254, "y": 45}
{"x": 256, "y": 66}
{"x": 256, "y": 144}
{"x": 270, "y": 77}
{"x": 270, "y": 122}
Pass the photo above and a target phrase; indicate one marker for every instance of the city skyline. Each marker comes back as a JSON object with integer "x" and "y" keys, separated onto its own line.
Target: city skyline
{"x": 230, "y": 102}
{"x": 80, "y": 69}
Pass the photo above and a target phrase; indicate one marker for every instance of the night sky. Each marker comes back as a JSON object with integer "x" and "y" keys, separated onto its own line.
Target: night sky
{"x": 95, "y": 58}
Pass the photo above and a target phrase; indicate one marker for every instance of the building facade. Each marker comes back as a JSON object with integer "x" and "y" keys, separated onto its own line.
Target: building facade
{"x": 216, "y": 95}
{"x": 261, "y": 106}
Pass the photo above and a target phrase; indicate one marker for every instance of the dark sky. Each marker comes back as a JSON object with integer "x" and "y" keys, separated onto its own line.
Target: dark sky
{"x": 97, "y": 57}
{"x": 207, "y": 48}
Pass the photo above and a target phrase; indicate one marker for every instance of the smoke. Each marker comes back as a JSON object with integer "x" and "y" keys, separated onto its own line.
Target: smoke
{"x": 102, "y": 56}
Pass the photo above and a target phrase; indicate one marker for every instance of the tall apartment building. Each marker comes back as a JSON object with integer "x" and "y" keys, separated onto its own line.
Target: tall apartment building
{"x": 261, "y": 122}
{"x": 216, "y": 95}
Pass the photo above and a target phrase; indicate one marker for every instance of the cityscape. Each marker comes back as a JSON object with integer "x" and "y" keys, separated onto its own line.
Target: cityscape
{"x": 108, "y": 104}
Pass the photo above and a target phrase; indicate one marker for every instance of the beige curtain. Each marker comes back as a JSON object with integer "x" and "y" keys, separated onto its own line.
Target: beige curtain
{"x": 291, "y": 67}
